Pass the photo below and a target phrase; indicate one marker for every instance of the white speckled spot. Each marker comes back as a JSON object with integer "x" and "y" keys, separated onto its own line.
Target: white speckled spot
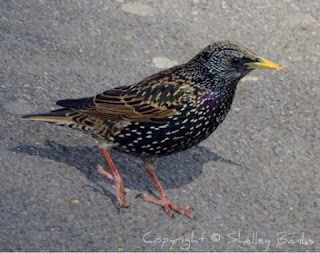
{"x": 18, "y": 108}
{"x": 250, "y": 78}
{"x": 138, "y": 9}
{"x": 163, "y": 62}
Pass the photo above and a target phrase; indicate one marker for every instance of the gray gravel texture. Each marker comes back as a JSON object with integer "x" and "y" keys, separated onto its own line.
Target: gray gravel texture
{"x": 256, "y": 177}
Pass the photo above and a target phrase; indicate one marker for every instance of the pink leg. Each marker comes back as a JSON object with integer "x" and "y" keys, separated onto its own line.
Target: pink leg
{"x": 164, "y": 201}
{"x": 115, "y": 176}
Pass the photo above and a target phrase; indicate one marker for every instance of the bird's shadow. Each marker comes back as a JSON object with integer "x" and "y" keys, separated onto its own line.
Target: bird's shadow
{"x": 174, "y": 171}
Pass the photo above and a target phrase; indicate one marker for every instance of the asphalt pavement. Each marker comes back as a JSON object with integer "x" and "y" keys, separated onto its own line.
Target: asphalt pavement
{"x": 254, "y": 185}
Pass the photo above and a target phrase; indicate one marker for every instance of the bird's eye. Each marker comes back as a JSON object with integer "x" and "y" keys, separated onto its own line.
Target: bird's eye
{"x": 235, "y": 61}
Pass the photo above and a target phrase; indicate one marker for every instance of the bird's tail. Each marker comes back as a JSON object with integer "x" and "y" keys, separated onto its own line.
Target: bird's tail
{"x": 58, "y": 116}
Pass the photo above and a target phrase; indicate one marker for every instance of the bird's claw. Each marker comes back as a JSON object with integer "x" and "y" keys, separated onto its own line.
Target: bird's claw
{"x": 104, "y": 172}
{"x": 120, "y": 190}
{"x": 168, "y": 205}
{"x": 140, "y": 195}
{"x": 122, "y": 203}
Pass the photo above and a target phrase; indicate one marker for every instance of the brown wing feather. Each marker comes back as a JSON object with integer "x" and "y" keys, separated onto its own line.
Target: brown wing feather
{"x": 139, "y": 103}
{"x": 154, "y": 99}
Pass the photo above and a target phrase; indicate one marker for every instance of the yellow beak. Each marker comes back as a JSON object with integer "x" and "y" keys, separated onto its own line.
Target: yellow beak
{"x": 265, "y": 64}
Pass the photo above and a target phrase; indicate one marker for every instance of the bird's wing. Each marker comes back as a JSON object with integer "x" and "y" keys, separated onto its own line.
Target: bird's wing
{"x": 140, "y": 102}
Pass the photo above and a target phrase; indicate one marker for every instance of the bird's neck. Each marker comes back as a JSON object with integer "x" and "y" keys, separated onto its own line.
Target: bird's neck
{"x": 217, "y": 82}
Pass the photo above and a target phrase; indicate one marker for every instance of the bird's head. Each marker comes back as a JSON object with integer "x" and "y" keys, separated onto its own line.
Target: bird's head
{"x": 227, "y": 62}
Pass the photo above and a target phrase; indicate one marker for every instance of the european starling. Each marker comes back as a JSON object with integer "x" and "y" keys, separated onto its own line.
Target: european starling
{"x": 165, "y": 113}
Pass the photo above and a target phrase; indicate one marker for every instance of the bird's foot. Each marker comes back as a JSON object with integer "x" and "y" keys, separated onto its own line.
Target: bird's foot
{"x": 168, "y": 205}
{"x": 120, "y": 190}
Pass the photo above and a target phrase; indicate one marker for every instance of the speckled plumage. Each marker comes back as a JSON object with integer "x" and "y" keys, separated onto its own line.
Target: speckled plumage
{"x": 190, "y": 115}
{"x": 167, "y": 112}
